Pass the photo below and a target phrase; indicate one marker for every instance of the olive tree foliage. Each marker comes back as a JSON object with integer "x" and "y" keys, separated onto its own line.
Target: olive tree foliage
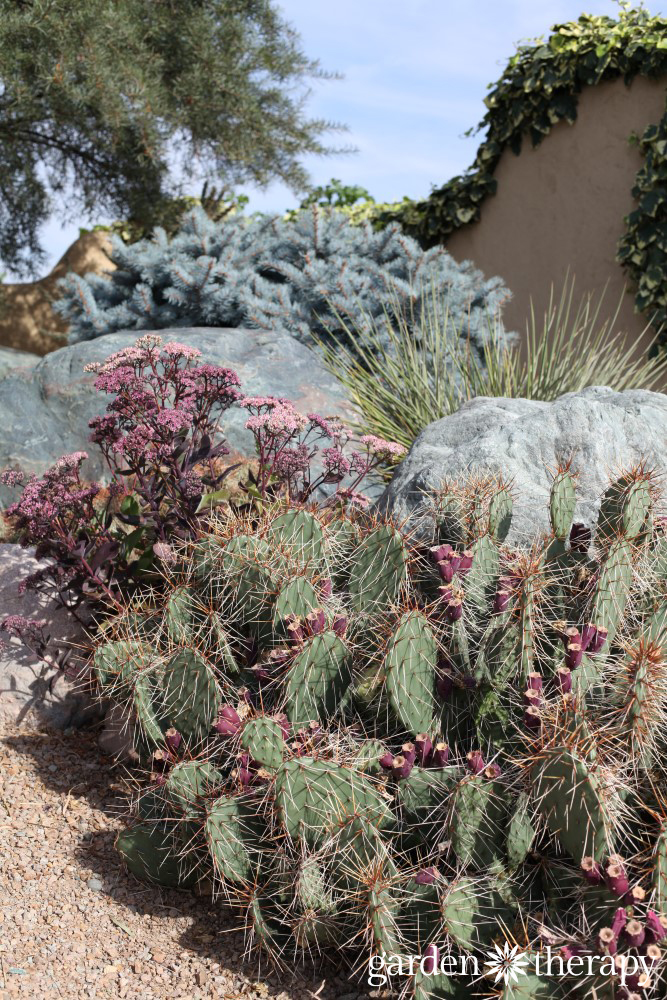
{"x": 104, "y": 104}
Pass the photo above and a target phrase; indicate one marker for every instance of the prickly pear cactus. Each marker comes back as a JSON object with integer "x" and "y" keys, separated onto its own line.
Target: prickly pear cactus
{"x": 370, "y": 744}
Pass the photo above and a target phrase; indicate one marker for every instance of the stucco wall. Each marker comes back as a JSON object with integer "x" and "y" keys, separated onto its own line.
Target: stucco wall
{"x": 562, "y": 205}
{"x": 27, "y": 320}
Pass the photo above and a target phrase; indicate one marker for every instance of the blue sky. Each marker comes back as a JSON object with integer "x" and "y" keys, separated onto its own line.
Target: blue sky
{"x": 415, "y": 76}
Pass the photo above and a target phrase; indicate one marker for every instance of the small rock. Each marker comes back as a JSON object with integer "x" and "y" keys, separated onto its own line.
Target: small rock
{"x": 95, "y": 884}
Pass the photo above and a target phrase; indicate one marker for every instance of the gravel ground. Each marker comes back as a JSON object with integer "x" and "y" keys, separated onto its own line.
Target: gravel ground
{"x": 73, "y": 923}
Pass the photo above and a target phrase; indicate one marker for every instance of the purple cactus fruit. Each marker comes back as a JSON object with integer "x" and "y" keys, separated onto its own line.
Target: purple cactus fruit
{"x": 245, "y": 695}
{"x": 599, "y": 639}
{"x": 387, "y": 761}
{"x": 607, "y": 943}
{"x": 532, "y": 697}
{"x": 244, "y": 775}
{"x": 634, "y": 933}
{"x": 580, "y": 537}
{"x": 454, "y": 610}
{"x": 339, "y": 625}
{"x": 616, "y": 879}
{"x": 635, "y": 896}
{"x": 444, "y": 686}
{"x": 430, "y": 960}
{"x": 315, "y": 621}
{"x": 532, "y": 718}
{"x": 440, "y": 552}
{"x": 445, "y": 593}
{"x": 656, "y": 924}
{"x": 440, "y": 755}
{"x": 426, "y": 876}
{"x": 161, "y": 760}
{"x": 326, "y": 589}
{"x": 260, "y": 672}
{"x": 295, "y": 632}
{"x": 501, "y": 601}
{"x": 591, "y": 870}
{"x": 455, "y": 560}
{"x": 587, "y": 635}
{"x": 535, "y": 681}
{"x": 228, "y": 722}
{"x": 465, "y": 562}
{"x": 173, "y": 739}
{"x": 574, "y": 655}
{"x": 653, "y": 953}
{"x": 446, "y": 570}
{"x": 564, "y": 680}
{"x": 475, "y": 762}
{"x": 423, "y": 747}
{"x": 245, "y": 762}
{"x": 401, "y": 767}
{"x": 492, "y": 771}
{"x": 159, "y": 778}
{"x": 409, "y": 752}
{"x": 619, "y": 921}
{"x": 302, "y": 735}
{"x": 469, "y": 682}
{"x": 571, "y": 634}
{"x": 569, "y": 951}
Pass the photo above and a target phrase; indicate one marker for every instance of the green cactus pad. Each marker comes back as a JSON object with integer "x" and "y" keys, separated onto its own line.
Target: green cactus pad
{"x": 191, "y": 695}
{"x": 312, "y": 892}
{"x": 410, "y": 665}
{"x": 520, "y": 832}
{"x": 297, "y": 597}
{"x": 478, "y": 821}
{"x": 120, "y": 660}
{"x": 383, "y": 914}
{"x": 224, "y": 831}
{"x": 613, "y": 587}
{"x": 480, "y": 582}
{"x": 207, "y": 556}
{"x": 424, "y": 793}
{"x": 473, "y": 912}
{"x": 317, "y": 679}
{"x": 500, "y": 514}
{"x": 660, "y": 870}
{"x": 144, "y": 700}
{"x": 316, "y": 797}
{"x": 190, "y": 783}
{"x": 624, "y": 509}
{"x": 562, "y": 503}
{"x": 299, "y": 532}
{"x": 264, "y": 741}
{"x": 367, "y": 756}
{"x": 567, "y": 794}
{"x": 148, "y": 852}
{"x": 180, "y": 616}
{"x": 379, "y": 569}
{"x": 224, "y": 656}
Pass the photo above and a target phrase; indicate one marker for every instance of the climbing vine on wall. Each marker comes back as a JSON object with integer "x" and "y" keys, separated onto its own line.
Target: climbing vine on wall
{"x": 538, "y": 89}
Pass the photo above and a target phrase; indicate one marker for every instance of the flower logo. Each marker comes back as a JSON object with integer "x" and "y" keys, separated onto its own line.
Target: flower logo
{"x": 506, "y": 963}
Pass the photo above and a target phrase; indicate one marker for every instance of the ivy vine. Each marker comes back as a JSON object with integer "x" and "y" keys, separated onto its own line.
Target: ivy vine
{"x": 538, "y": 89}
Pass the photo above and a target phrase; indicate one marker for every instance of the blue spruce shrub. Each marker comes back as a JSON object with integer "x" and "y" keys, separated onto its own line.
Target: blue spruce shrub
{"x": 307, "y": 276}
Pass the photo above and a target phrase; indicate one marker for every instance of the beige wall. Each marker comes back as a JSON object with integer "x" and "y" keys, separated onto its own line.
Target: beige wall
{"x": 27, "y": 320}
{"x": 562, "y": 205}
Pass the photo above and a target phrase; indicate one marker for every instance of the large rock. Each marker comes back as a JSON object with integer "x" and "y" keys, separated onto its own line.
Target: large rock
{"x": 29, "y": 690}
{"x": 602, "y": 430}
{"x": 44, "y": 412}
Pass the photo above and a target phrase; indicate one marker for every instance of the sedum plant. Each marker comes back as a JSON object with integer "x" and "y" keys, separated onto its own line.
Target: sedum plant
{"x": 378, "y": 747}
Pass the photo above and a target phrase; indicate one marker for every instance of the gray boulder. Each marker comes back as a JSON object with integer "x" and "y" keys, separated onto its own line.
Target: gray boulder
{"x": 602, "y": 430}
{"x": 11, "y": 360}
{"x": 29, "y": 690}
{"x": 44, "y": 410}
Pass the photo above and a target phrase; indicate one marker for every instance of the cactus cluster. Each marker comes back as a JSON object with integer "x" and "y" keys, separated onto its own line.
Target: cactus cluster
{"x": 384, "y": 748}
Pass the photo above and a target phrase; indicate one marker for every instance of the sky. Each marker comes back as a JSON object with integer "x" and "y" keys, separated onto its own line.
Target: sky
{"x": 415, "y": 77}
